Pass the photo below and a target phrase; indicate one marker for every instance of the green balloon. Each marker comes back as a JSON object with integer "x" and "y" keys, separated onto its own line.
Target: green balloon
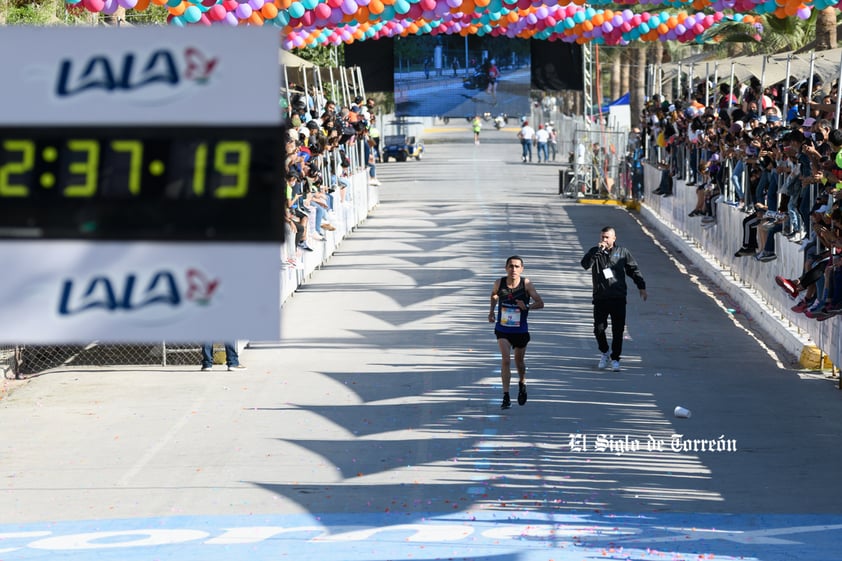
{"x": 839, "y": 159}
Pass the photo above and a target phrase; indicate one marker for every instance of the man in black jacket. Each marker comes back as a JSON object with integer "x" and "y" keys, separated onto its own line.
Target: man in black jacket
{"x": 609, "y": 265}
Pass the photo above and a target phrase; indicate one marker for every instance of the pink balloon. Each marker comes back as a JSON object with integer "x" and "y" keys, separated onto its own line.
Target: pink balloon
{"x": 626, "y": 27}
{"x": 322, "y": 11}
{"x": 205, "y": 3}
{"x": 334, "y": 3}
{"x": 414, "y": 11}
{"x": 230, "y": 5}
{"x": 428, "y": 5}
{"x": 307, "y": 19}
{"x": 216, "y": 13}
{"x": 95, "y": 6}
{"x": 204, "y": 20}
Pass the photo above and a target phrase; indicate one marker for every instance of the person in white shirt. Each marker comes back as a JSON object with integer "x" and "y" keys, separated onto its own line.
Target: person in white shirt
{"x": 526, "y": 136}
{"x": 542, "y": 137}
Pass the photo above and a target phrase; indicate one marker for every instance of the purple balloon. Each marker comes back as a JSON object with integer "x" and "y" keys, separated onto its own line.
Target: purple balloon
{"x": 230, "y": 19}
{"x": 349, "y": 7}
{"x": 336, "y": 16}
{"x": 617, "y": 21}
{"x": 243, "y": 11}
{"x": 256, "y": 4}
{"x": 110, "y": 7}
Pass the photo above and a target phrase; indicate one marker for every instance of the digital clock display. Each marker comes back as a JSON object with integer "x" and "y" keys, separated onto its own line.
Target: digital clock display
{"x": 200, "y": 183}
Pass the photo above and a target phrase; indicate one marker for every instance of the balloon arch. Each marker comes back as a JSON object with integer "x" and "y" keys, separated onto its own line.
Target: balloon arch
{"x": 310, "y": 23}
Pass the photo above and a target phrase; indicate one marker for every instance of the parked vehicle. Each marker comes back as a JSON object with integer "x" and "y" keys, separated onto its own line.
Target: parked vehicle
{"x": 402, "y": 147}
{"x": 476, "y": 81}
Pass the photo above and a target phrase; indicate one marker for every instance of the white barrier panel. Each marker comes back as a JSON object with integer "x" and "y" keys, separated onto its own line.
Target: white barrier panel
{"x": 363, "y": 198}
{"x": 751, "y": 283}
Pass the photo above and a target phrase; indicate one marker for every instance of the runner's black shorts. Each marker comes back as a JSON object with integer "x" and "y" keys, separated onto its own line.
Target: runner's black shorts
{"x": 518, "y": 340}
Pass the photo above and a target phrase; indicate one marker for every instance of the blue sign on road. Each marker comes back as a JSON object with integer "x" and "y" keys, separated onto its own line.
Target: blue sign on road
{"x": 481, "y": 535}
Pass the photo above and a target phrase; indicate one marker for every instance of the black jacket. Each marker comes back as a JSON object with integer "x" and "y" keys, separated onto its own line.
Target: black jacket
{"x": 621, "y": 262}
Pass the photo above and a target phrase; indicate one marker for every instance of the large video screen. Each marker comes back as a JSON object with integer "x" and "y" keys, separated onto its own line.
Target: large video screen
{"x": 455, "y": 76}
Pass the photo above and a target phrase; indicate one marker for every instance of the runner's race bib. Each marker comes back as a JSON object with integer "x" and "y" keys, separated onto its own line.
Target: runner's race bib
{"x": 509, "y": 317}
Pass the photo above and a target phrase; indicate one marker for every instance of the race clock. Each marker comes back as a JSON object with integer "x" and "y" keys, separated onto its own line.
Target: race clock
{"x": 217, "y": 183}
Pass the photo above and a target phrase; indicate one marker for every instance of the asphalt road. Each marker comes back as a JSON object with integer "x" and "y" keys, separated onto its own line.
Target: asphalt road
{"x": 373, "y": 431}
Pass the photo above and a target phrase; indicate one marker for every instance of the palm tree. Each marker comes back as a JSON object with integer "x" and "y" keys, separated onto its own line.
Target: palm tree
{"x": 773, "y": 35}
{"x": 826, "y": 29}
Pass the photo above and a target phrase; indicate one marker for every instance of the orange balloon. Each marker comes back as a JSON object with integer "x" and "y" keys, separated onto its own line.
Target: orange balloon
{"x": 597, "y": 21}
{"x": 663, "y": 29}
{"x": 467, "y": 7}
{"x": 159, "y": 2}
{"x": 269, "y": 10}
{"x": 255, "y": 19}
{"x": 141, "y": 5}
{"x": 482, "y": 3}
{"x": 283, "y": 4}
{"x": 790, "y": 9}
{"x": 587, "y": 26}
{"x": 388, "y": 2}
{"x": 376, "y": 7}
{"x": 607, "y": 15}
{"x": 672, "y": 21}
{"x": 358, "y": 34}
{"x": 178, "y": 10}
{"x": 512, "y": 17}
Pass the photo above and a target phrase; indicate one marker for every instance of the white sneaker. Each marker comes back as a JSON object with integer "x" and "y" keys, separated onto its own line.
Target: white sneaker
{"x": 603, "y": 361}
{"x": 615, "y": 365}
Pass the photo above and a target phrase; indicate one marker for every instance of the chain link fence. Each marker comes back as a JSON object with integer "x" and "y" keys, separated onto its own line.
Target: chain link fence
{"x": 19, "y": 361}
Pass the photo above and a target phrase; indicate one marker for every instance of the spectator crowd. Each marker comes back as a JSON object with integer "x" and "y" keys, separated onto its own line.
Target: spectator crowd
{"x": 772, "y": 152}
{"x": 325, "y": 144}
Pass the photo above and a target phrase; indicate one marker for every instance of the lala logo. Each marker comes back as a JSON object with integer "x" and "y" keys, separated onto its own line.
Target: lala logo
{"x": 133, "y": 292}
{"x": 134, "y": 72}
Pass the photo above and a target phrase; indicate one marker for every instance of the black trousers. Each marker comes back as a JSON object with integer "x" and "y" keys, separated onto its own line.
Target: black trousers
{"x": 616, "y": 310}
